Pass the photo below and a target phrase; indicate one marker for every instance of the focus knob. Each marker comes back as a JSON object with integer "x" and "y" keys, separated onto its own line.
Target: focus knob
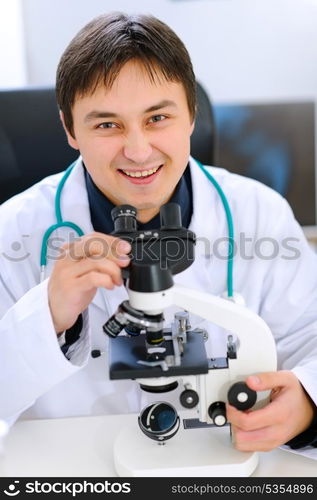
{"x": 189, "y": 398}
{"x": 241, "y": 396}
{"x": 217, "y": 412}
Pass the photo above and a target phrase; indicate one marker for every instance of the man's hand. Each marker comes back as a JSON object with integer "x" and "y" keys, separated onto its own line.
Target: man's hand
{"x": 90, "y": 262}
{"x": 289, "y": 413}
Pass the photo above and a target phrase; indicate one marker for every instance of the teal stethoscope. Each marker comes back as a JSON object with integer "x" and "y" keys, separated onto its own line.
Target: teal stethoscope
{"x": 61, "y": 223}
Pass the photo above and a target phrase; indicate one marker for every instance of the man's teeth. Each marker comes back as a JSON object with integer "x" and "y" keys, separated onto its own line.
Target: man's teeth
{"x": 144, "y": 173}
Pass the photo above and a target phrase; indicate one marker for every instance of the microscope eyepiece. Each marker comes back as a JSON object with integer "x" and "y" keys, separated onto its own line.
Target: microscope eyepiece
{"x": 124, "y": 218}
{"x": 171, "y": 216}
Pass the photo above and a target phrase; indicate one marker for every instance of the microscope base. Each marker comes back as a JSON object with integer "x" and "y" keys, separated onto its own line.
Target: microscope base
{"x": 191, "y": 453}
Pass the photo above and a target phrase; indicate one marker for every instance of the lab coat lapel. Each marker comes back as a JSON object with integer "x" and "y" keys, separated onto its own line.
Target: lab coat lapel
{"x": 209, "y": 225}
{"x": 203, "y": 224}
{"x": 75, "y": 208}
{"x": 74, "y": 199}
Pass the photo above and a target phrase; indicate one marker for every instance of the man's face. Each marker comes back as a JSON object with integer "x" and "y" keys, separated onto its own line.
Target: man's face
{"x": 134, "y": 138}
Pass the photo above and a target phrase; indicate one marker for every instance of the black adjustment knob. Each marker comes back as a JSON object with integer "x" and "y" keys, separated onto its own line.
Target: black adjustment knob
{"x": 217, "y": 412}
{"x": 124, "y": 218}
{"x": 241, "y": 396}
{"x": 189, "y": 398}
{"x": 95, "y": 353}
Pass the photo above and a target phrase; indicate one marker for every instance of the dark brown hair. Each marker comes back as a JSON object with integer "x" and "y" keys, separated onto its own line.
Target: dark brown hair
{"x": 103, "y": 46}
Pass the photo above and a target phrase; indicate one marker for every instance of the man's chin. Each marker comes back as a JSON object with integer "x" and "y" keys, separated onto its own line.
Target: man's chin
{"x": 145, "y": 204}
{"x": 146, "y": 211}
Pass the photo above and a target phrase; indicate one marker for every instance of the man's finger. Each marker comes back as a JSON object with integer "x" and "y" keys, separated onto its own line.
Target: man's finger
{"x": 269, "y": 380}
{"x": 98, "y": 245}
{"x": 259, "y": 440}
{"x": 250, "y": 421}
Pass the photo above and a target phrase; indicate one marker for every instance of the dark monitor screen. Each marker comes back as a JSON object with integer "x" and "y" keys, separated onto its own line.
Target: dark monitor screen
{"x": 274, "y": 144}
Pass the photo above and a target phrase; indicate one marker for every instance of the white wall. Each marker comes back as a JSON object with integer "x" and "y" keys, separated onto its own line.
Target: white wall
{"x": 242, "y": 50}
{"x": 12, "y": 55}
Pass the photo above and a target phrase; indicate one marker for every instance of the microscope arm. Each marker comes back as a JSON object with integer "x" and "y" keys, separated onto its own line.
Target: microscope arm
{"x": 256, "y": 350}
{"x": 256, "y": 344}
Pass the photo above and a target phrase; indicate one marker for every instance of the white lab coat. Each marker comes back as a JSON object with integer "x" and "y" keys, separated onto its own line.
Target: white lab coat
{"x": 36, "y": 379}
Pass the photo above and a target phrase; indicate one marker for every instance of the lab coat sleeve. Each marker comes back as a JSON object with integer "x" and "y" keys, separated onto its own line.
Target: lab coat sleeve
{"x": 289, "y": 304}
{"x": 31, "y": 361}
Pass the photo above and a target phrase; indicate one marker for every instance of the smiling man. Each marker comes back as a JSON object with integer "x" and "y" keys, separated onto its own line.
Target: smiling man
{"x": 126, "y": 93}
{"x": 134, "y": 138}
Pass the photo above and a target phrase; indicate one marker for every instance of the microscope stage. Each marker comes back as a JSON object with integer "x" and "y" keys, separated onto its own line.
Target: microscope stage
{"x": 126, "y": 351}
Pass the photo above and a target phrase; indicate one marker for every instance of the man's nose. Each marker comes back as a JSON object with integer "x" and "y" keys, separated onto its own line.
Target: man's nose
{"x": 137, "y": 147}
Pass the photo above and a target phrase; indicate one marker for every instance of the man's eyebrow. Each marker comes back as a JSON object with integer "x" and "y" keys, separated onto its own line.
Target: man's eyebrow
{"x": 163, "y": 104}
{"x": 92, "y": 115}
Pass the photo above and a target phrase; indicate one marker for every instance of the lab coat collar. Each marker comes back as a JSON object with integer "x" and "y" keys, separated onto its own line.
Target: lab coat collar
{"x": 203, "y": 224}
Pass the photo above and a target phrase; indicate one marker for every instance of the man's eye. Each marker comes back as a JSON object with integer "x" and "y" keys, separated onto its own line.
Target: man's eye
{"x": 107, "y": 125}
{"x": 157, "y": 118}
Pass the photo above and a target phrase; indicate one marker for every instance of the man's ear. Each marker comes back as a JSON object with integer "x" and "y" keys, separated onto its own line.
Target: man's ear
{"x": 71, "y": 140}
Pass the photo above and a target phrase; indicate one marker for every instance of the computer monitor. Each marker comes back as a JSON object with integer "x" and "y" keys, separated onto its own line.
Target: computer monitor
{"x": 275, "y": 144}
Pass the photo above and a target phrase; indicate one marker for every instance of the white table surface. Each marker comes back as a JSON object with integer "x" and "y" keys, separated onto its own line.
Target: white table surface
{"x": 83, "y": 447}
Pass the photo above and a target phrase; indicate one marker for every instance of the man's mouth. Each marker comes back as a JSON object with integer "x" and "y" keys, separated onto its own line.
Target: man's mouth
{"x": 141, "y": 177}
{"x": 141, "y": 173}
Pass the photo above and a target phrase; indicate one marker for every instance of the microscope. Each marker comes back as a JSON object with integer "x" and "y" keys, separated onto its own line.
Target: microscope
{"x": 162, "y": 358}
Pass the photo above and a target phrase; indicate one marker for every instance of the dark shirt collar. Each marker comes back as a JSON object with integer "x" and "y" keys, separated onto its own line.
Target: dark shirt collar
{"x": 100, "y": 207}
